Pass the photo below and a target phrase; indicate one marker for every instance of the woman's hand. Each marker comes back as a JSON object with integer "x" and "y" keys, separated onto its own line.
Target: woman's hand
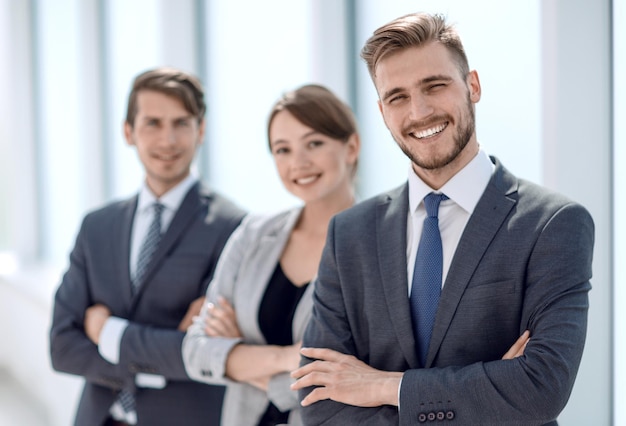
{"x": 192, "y": 311}
{"x": 221, "y": 320}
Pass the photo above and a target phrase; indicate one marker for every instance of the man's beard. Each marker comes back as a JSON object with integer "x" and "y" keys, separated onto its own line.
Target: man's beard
{"x": 464, "y": 130}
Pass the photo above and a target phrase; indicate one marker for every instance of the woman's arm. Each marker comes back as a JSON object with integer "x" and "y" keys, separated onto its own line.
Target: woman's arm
{"x": 254, "y": 364}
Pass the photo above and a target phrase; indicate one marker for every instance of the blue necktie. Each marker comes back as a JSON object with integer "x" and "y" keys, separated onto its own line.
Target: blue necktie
{"x": 426, "y": 285}
{"x": 148, "y": 247}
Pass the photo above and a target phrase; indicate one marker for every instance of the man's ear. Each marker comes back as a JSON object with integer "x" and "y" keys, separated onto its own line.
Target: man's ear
{"x": 128, "y": 133}
{"x": 473, "y": 84}
{"x": 201, "y": 130}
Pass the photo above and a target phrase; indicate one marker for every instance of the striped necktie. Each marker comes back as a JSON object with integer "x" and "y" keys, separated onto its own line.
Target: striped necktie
{"x": 150, "y": 243}
{"x": 149, "y": 246}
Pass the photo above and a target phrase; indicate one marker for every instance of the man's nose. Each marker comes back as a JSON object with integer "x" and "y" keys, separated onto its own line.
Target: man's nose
{"x": 420, "y": 108}
{"x": 169, "y": 134}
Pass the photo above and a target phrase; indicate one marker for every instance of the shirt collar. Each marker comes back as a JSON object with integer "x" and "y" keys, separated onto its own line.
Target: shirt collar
{"x": 464, "y": 188}
{"x": 172, "y": 199}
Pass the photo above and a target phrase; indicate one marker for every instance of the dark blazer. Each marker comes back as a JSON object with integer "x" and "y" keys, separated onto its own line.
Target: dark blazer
{"x": 523, "y": 262}
{"x": 179, "y": 272}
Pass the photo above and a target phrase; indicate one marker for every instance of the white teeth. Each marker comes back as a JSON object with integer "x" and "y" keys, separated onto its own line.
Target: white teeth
{"x": 429, "y": 132}
{"x": 304, "y": 181}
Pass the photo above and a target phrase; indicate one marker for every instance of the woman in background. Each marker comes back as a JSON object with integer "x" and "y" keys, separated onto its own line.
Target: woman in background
{"x": 259, "y": 302}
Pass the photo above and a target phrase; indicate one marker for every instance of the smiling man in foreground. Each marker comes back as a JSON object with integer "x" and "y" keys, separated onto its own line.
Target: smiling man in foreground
{"x": 422, "y": 290}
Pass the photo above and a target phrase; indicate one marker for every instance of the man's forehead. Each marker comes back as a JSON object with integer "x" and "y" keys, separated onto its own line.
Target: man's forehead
{"x": 417, "y": 63}
{"x": 158, "y": 104}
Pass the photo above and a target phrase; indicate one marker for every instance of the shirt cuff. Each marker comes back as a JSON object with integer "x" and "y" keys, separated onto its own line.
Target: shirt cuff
{"x": 154, "y": 381}
{"x": 399, "y": 387}
{"x": 111, "y": 338}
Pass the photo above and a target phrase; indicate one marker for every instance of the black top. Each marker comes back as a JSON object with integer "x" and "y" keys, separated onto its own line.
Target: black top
{"x": 276, "y": 312}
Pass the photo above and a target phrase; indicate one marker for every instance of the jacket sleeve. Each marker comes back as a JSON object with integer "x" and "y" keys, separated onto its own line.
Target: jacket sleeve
{"x": 330, "y": 328}
{"x": 71, "y": 351}
{"x": 280, "y": 393}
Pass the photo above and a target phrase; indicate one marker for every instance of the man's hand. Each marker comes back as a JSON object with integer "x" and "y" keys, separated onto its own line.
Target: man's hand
{"x": 222, "y": 320}
{"x": 95, "y": 317}
{"x": 518, "y": 347}
{"x": 345, "y": 379}
{"x": 192, "y": 311}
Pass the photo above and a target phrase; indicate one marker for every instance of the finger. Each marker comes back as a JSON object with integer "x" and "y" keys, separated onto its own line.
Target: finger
{"x": 518, "y": 347}
{"x": 214, "y": 327}
{"x": 225, "y": 305}
{"x": 323, "y": 354}
{"x": 313, "y": 378}
{"x": 225, "y": 322}
{"x": 317, "y": 394}
{"x": 315, "y": 367}
{"x": 220, "y": 313}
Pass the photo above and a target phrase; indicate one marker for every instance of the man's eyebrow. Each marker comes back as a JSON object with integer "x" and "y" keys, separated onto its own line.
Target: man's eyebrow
{"x": 439, "y": 77}
{"x": 424, "y": 81}
{"x": 391, "y": 92}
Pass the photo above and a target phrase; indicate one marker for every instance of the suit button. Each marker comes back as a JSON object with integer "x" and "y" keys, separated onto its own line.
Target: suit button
{"x": 441, "y": 415}
{"x": 450, "y": 415}
{"x": 431, "y": 416}
{"x": 421, "y": 418}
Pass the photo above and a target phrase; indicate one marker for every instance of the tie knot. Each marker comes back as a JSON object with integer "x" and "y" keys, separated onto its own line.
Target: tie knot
{"x": 431, "y": 202}
{"x": 158, "y": 209}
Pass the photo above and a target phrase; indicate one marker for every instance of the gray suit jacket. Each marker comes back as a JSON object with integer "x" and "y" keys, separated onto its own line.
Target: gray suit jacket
{"x": 179, "y": 273}
{"x": 242, "y": 275}
{"x": 523, "y": 262}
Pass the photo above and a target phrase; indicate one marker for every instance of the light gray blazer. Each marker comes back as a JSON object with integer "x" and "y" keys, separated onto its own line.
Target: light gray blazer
{"x": 242, "y": 275}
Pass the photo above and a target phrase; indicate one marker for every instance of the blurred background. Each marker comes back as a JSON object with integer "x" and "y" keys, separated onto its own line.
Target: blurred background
{"x": 553, "y": 107}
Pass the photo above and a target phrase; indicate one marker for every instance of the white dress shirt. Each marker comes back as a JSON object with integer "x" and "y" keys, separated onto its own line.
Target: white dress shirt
{"x": 463, "y": 190}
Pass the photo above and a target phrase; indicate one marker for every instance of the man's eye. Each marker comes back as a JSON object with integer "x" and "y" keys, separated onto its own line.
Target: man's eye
{"x": 437, "y": 86}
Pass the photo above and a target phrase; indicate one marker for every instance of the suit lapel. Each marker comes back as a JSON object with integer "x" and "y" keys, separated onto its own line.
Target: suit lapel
{"x": 185, "y": 215}
{"x": 122, "y": 233}
{"x": 391, "y": 219}
{"x": 490, "y": 212}
{"x": 271, "y": 246}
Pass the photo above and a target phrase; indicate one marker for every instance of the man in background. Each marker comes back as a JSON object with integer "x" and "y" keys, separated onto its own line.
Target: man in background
{"x": 422, "y": 290}
{"x": 139, "y": 269}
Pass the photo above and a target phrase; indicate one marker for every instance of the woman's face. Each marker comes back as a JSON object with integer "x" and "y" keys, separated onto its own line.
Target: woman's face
{"x": 312, "y": 166}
